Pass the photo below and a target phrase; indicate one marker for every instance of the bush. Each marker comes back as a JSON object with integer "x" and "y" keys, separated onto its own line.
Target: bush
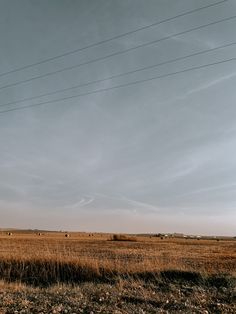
{"x": 122, "y": 237}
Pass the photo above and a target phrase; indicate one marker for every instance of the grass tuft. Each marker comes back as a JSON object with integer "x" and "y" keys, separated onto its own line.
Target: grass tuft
{"x": 179, "y": 275}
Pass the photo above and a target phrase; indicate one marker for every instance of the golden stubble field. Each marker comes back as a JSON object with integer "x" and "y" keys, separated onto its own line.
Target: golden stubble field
{"x": 55, "y": 257}
{"x": 92, "y": 273}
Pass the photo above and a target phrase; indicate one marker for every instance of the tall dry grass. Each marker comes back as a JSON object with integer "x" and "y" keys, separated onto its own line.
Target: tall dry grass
{"x": 52, "y": 258}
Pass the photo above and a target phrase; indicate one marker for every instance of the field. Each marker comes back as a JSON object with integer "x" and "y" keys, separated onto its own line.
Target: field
{"x": 47, "y": 272}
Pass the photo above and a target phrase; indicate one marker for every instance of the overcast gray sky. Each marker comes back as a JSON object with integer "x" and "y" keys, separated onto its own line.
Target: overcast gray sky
{"x": 158, "y": 156}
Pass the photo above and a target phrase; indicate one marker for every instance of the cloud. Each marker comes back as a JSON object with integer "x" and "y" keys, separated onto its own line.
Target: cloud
{"x": 84, "y": 201}
{"x": 208, "y": 189}
{"x": 209, "y": 84}
{"x": 127, "y": 203}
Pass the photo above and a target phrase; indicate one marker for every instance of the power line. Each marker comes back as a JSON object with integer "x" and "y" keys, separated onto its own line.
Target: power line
{"x": 121, "y": 74}
{"x": 112, "y": 38}
{"x": 118, "y": 53}
{"x": 121, "y": 85}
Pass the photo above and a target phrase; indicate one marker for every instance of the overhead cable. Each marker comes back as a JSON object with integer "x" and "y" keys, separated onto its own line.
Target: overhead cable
{"x": 120, "y": 86}
{"x": 111, "y": 38}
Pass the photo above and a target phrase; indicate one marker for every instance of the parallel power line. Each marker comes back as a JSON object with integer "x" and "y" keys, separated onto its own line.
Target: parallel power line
{"x": 121, "y": 74}
{"x": 120, "y": 86}
{"x": 111, "y": 38}
{"x": 118, "y": 53}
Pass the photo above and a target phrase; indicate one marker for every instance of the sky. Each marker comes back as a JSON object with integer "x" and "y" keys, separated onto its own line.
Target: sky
{"x": 156, "y": 156}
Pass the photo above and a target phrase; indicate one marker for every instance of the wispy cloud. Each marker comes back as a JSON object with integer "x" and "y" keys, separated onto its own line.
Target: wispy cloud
{"x": 208, "y": 189}
{"x": 85, "y": 200}
{"x": 127, "y": 202}
{"x": 208, "y": 84}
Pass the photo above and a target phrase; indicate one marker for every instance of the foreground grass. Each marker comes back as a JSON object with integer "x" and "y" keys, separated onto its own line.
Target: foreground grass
{"x": 44, "y": 273}
{"x": 173, "y": 293}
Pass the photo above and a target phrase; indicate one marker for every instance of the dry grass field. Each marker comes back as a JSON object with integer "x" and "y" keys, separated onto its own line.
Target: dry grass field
{"x": 103, "y": 273}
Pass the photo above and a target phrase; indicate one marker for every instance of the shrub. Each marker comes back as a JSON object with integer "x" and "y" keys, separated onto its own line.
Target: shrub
{"x": 122, "y": 237}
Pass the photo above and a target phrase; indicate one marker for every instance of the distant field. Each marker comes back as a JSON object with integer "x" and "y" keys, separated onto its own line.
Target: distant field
{"x": 47, "y": 254}
{"x": 103, "y": 273}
